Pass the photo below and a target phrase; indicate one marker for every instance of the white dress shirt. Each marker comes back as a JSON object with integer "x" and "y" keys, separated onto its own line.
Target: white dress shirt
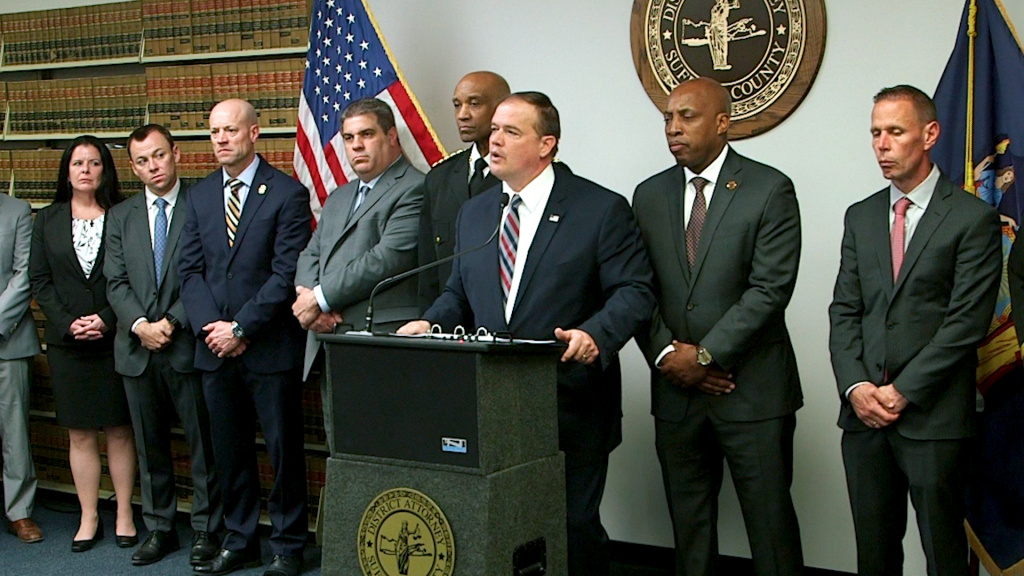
{"x": 151, "y": 211}
{"x": 919, "y": 198}
{"x": 474, "y": 155}
{"x": 711, "y": 174}
{"x": 535, "y": 199}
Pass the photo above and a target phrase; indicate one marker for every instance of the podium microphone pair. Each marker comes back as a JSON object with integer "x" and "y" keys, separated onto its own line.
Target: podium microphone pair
{"x": 399, "y": 277}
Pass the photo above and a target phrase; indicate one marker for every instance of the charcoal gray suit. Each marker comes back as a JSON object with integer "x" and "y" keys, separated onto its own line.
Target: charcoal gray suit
{"x": 733, "y": 302}
{"x": 159, "y": 383}
{"x": 919, "y": 333}
{"x": 18, "y": 344}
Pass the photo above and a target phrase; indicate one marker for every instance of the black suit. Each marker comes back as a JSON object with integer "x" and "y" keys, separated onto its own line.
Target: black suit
{"x": 733, "y": 303}
{"x": 88, "y": 393}
{"x": 446, "y": 189}
{"x": 586, "y": 269}
{"x": 920, "y": 334}
{"x": 252, "y": 283}
{"x": 158, "y": 384}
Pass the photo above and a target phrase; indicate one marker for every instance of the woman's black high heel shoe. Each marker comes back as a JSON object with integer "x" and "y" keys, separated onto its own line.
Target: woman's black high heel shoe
{"x": 85, "y": 545}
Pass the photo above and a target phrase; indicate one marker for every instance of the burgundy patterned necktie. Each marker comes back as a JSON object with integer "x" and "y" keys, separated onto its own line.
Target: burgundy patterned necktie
{"x": 698, "y": 213}
{"x": 509, "y": 245}
{"x": 897, "y": 236}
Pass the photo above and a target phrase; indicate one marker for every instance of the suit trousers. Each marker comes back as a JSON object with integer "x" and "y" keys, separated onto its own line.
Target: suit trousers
{"x": 881, "y": 467}
{"x": 587, "y": 539}
{"x": 153, "y": 398}
{"x": 234, "y": 394}
{"x": 19, "y": 472}
{"x": 760, "y": 457}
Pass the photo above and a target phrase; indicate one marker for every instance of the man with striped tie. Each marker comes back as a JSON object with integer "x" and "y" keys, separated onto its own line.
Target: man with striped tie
{"x": 569, "y": 264}
{"x": 244, "y": 228}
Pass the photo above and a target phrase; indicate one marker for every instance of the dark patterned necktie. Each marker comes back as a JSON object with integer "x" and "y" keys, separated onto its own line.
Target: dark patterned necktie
{"x": 476, "y": 181}
{"x": 698, "y": 213}
{"x": 234, "y": 212}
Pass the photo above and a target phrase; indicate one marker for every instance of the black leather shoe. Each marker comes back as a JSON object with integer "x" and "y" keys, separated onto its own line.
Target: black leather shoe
{"x": 85, "y": 545}
{"x": 227, "y": 561}
{"x": 126, "y": 541}
{"x": 158, "y": 545}
{"x": 284, "y": 566}
{"x": 204, "y": 548}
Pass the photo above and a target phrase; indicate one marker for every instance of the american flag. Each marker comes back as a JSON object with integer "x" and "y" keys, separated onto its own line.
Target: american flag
{"x": 349, "y": 60}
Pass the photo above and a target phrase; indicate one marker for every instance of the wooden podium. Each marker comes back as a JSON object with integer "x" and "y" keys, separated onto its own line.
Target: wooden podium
{"x": 444, "y": 458}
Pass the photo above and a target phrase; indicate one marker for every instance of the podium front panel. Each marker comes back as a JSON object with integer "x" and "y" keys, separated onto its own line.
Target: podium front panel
{"x": 390, "y": 403}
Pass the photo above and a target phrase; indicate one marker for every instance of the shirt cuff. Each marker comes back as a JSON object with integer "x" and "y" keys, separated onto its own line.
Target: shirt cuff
{"x": 318, "y": 291}
{"x": 661, "y": 356}
{"x": 137, "y": 322}
{"x": 850, "y": 389}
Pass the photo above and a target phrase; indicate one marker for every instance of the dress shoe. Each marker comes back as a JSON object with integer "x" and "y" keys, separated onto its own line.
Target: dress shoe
{"x": 126, "y": 541}
{"x": 284, "y": 566}
{"x": 26, "y": 530}
{"x": 227, "y": 561}
{"x": 158, "y": 545}
{"x": 204, "y": 548}
{"x": 85, "y": 545}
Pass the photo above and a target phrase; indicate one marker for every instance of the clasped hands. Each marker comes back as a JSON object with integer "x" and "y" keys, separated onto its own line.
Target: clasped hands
{"x": 681, "y": 368}
{"x": 155, "y": 335}
{"x": 89, "y": 327}
{"x": 221, "y": 340}
{"x": 307, "y": 310}
{"x": 877, "y": 406}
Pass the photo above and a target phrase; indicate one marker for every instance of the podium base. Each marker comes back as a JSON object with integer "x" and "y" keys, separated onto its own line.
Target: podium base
{"x": 390, "y": 518}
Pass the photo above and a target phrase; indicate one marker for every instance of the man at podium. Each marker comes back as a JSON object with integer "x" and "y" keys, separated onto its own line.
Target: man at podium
{"x": 569, "y": 264}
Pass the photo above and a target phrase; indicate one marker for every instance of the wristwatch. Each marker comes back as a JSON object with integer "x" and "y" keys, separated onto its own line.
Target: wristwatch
{"x": 237, "y": 331}
{"x": 704, "y": 357}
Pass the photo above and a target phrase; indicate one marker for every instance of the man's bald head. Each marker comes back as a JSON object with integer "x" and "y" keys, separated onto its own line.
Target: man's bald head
{"x": 697, "y": 122}
{"x": 475, "y": 98}
{"x": 234, "y": 128}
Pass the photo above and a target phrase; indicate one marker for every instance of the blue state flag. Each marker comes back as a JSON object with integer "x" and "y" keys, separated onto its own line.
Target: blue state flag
{"x": 980, "y": 102}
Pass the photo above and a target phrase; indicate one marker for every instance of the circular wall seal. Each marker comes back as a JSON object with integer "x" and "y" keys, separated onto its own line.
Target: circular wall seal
{"x": 765, "y": 52}
{"x": 404, "y": 533}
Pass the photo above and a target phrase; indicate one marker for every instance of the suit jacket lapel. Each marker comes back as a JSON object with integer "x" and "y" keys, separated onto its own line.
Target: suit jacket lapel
{"x": 253, "y": 201}
{"x": 545, "y": 232}
{"x": 140, "y": 232}
{"x": 675, "y": 195}
{"x": 177, "y": 223}
{"x": 62, "y": 221}
{"x": 491, "y": 274}
{"x": 458, "y": 184}
{"x": 386, "y": 182}
{"x": 878, "y": 233}
{"x": 929, "y": 223}
{"x": 720, "y": 200}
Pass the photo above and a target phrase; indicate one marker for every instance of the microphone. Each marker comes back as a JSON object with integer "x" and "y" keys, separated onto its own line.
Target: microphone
{"x": 399, "y": 277}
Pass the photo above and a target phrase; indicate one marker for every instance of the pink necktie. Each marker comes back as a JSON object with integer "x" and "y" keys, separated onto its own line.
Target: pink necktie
{"x": 897, "y": 236}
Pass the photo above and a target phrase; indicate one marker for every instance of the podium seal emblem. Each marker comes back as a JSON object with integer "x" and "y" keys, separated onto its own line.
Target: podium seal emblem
{"x": 404, "y": 533}
{"x": 765, "y": 52}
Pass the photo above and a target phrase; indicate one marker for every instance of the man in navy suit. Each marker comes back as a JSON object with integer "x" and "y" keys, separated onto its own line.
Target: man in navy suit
{"x": 245, "y": 226}
{"x": 569, "y": 264}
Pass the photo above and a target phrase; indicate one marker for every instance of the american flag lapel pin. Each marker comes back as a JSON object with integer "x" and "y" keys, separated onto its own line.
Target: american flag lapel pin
{"x": 554, "y": 218}
{"x": 262, "y": 189}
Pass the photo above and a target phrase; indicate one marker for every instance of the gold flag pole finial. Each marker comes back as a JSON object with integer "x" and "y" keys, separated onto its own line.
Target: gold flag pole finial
{"x": 972, "y": 33}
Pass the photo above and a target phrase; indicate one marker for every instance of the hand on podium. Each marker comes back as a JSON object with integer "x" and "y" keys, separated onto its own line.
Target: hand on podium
{"x": 582, "y": 347}
{"x": 415, "y": 327}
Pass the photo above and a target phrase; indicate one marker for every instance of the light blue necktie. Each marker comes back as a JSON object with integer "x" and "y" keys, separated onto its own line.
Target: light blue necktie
{"x": 159, "y": 238}
{"x": 363, "y": 191}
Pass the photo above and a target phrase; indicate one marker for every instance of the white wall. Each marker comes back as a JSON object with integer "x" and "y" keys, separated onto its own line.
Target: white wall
{"x": 578, "y": 52}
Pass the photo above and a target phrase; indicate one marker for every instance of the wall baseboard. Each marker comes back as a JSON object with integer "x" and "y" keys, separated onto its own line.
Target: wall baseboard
{"x": 659, "y": 558}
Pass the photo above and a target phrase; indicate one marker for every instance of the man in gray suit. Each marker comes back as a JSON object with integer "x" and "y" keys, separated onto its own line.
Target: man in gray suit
{"x": 367, "y": 232}
{"x": 154, "y": 348}
{"x": 917, "y": 285}
{"x": 723, "y": 233}
{"x": 18, "y": 344}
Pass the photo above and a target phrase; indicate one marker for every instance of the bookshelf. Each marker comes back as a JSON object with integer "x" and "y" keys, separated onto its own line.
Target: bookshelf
{"x": 77, "y": 71}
